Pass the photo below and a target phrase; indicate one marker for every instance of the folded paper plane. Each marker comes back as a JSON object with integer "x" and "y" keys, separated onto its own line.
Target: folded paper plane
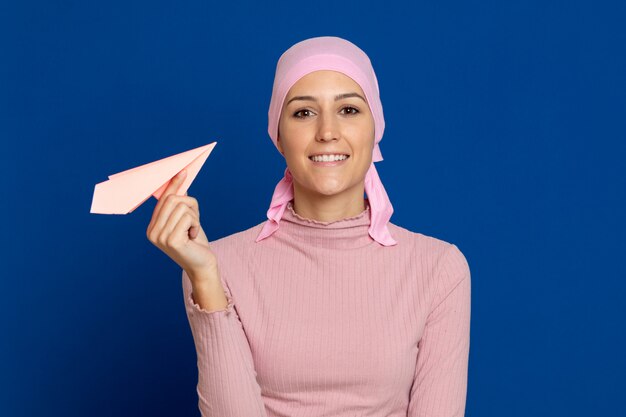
{"x": 125, "y": 191}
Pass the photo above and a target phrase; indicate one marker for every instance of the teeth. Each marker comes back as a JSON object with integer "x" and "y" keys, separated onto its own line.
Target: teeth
{"x": 328, "y": 158}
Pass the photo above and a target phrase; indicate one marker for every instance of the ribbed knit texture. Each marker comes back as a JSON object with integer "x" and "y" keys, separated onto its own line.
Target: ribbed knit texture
{"x": 324, "y": 321}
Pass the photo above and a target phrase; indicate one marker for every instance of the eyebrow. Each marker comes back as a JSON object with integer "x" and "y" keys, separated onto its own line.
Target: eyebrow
{"x": 337, "y": 97}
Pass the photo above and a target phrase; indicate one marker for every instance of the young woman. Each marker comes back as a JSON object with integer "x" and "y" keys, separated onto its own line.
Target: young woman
{"x": 327, "y": 308}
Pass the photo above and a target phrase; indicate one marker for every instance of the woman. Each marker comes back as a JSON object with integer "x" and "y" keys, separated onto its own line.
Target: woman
{"x": 326, "y": 308}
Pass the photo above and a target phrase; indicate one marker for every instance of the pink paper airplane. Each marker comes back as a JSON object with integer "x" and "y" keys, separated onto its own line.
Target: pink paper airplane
{"x": 125, "y": 191}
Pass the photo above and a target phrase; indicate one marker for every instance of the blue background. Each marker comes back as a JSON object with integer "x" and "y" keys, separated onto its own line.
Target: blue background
{"x": 505, "y": 135}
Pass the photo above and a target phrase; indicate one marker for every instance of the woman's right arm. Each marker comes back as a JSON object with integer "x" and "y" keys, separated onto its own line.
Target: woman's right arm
{"x": 227, "y": 385}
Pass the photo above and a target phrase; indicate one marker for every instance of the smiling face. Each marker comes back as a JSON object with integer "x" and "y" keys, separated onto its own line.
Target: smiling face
{"x": 326, "y": 112}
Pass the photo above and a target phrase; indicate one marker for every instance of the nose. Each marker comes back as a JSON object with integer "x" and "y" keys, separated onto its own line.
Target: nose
{"x": 327, "y": 128}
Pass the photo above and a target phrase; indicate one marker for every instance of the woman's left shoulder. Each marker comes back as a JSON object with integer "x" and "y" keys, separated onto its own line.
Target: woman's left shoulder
{"x": 425, "y": 245}
{"x": 442, "y": 260}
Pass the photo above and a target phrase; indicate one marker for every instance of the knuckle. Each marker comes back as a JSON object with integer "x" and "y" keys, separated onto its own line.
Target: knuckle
{"x": 152, "y": 235}
{"x": 170, "y": 198}
{"x": 172, "y": 241}
{"x": 193, "y": 218}
{"x": 181, "y": 208}
{"x": 162, "y": 239}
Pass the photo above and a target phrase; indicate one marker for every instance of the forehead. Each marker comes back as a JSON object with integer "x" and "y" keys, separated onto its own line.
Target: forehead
{"x": 324, "y": 81}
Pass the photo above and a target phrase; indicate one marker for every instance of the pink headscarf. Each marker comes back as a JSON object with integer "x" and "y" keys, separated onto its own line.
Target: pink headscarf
{"x": 336, "y": 54}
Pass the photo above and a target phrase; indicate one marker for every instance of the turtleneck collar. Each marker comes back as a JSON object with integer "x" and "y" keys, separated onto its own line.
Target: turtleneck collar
{"x": 348, "y": 233}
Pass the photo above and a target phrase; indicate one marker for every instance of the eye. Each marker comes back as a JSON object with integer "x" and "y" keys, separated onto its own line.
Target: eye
{"x": 299, "y": 114}
{"x": 353, "y": 110}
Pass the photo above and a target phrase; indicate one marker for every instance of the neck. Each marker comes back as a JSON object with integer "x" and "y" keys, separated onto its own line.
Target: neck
{"x": 329, "y": 208}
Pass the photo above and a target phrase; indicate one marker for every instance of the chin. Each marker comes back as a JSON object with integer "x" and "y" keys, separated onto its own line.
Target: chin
{"x": 330, "y": 189}
{"x": 327, "y": 192}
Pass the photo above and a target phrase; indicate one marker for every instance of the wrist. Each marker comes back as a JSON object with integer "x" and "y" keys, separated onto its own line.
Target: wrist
{"x": 203, "y": 276}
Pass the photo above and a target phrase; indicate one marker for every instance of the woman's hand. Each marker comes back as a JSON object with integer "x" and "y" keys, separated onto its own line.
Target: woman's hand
{"x": 175, "y": 229}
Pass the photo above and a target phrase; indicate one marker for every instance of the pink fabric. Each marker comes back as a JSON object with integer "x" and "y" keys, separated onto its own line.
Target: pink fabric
{"x": 323, "y": 321}
{"x": 329, "y": 53}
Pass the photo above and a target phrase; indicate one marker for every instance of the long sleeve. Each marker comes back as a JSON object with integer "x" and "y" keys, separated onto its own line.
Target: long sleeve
{"x": 325, "y": 321}
{"x": 440, "y": 382}
{"x": 227, "y": 385}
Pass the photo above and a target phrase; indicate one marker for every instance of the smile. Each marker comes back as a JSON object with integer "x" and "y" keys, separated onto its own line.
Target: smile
{"x": 329, "y": 160}
{"x": 328, "y": 157}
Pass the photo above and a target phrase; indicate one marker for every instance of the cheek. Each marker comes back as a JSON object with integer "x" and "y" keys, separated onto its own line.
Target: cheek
{"x": 295, "y": 139}
{"x": 364, "y": 140}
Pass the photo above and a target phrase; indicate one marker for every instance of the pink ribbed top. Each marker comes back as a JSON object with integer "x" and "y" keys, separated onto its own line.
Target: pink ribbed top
{"x": 324, "y": 321}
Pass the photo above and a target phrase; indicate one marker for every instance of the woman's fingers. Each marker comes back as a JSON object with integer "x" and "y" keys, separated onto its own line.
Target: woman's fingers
{"x": 170, "y": 209}
{"x": 172, "y": 188}
{"x": 169, "y": 228}
{"x": 173, "y": 201}
{"x": 175, "y": 222}
{"x": 179, "y": 236}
